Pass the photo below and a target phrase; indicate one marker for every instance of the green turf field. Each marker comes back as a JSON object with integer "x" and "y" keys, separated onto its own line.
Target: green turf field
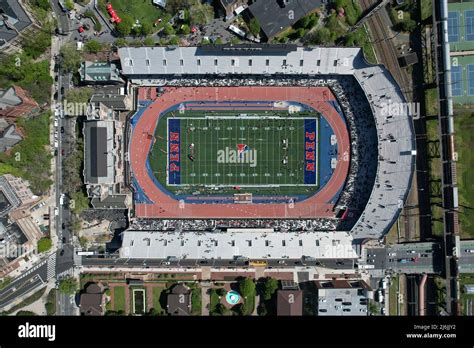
{"x": 216, "y": 162}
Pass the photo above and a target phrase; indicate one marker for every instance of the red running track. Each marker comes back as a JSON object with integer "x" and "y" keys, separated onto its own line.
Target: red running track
{"x": 167, "y": 207}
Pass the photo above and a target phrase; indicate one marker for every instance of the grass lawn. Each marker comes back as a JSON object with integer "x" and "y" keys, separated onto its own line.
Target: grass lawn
{"x": 393, "y": 297}
{"x": 214, "y": 301}
{"x": 426, "y": 8}
{"x": 196, "y": 301}
{"x": 144, "y": 11}
{"x": 464, "y": 143}
{"x": 431, "y": 101}
{"x": 156, "y": 299}
{"x": 213, "y": 144}
{"x": 119, "y": 298}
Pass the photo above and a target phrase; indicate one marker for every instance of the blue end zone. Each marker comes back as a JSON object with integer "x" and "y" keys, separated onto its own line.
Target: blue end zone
{"x": 310, "y": 154}
{"x": 174, "y": 144}
{"x": 139, "y": 195}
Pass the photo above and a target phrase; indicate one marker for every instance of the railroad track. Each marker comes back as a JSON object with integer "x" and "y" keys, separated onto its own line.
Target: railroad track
{"x": 386, "y": 51}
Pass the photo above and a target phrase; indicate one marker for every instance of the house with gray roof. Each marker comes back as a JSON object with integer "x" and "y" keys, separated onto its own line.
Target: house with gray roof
{"x": 13, "y": 21}
{"x": 274, "y": 16}
{"x": 9, "y": 138}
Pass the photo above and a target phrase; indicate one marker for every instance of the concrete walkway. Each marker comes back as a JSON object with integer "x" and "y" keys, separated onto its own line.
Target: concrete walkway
{"x": 205, "y": 300}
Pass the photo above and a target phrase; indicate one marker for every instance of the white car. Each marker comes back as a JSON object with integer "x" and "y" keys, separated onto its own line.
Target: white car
{"x": 469, "y": 251}
{"x": 56, "y": 144}
{"x": 61, "y": 199}
{"x": 392, "y": 254}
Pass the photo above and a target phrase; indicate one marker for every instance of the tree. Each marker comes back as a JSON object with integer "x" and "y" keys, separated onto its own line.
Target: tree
{"x": 262, "y": 310}
{"x": 200, "y": 14}
{"x": 247, "y": 287}
{"x": 124, "y": 28}
{"x": 44, "y": 4}
{"x": 168, "y": 30}
{"x": 93, "y": 46}
{"x": 121, "y": 42}
{"x": 79, "y": 95}
{"x": 149, "y": 41}
{"x": 44, "y": 244}
{"x": 146, "y": 29}
{"x": 69, "y": 5}
{"x": 254, "y": 27}
{"x": 185, "y": 30}
{"x": 68, "y": 286}
{"x": 270, "y": 285}
{"x": 407, "y": 25}
{"x": 70, "y": 58}
{"x": 321, "y": 36}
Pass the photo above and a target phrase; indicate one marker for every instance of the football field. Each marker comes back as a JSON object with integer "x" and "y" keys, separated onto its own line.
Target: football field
{"x": 245, "y": 150}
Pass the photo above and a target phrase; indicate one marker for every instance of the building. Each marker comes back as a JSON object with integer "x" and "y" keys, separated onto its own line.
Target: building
{"x": 9, "y": 138}
{"x": 161, "y": 3}
{"x": 99, "y": 165}
{"x": 99, "y": 73}
{"x": 15, "y": 192}
{"x": 14, "y": 23}
{"x": 104, "y": 150}
{"x": 278, "y": 65}
{"x": 14, "y": 102}
{"x": 179, "y": 301}
{"x": 469, "y": 289}
{"x": 117, "y": 102}
{"x": 289, "y": 302}
{"x": 229, "y": 6}
{"x": 92, "y": 300}
{"x": 274, "y": 15}
{"x": 343, "y": 297}
{"x": 229, "y": 245}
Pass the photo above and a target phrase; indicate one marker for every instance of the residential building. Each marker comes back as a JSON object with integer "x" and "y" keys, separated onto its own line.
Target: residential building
{"x": 229, "y": 6}
{"x": 290, "y": 302}
{"x": 15, "y": 102}
{"x": 14, "y": 23}
{"x": 274, "y": 16}
{"x": 92, "y": 300}
{"x": 179, "y": 300}
{"x": 9, "y": 138}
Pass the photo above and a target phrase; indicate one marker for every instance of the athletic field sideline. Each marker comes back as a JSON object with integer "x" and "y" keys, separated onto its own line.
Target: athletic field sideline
{"x": 263, "y": 152}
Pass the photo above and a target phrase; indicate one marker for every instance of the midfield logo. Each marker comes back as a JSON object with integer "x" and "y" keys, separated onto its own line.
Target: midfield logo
{"x": 243, "y": 155}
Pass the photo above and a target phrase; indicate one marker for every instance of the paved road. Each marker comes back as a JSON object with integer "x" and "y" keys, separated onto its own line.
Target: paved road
{"x": 32, "y": 279}
{"x": 115, "y": 262}
{"x": 407, "y": 258}
{"x": 466, "y": 257}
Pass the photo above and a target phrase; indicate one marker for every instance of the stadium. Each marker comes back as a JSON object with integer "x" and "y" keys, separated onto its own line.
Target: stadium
{"x": 279, "y": 138}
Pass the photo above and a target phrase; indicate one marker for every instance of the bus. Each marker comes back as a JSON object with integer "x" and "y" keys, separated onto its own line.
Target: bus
{"x": 258, "y": 263}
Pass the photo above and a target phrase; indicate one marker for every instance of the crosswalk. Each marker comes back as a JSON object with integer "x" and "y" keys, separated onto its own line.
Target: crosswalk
{"x": 51, "y": 272}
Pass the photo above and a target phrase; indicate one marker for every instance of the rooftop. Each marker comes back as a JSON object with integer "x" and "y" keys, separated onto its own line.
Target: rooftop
{"x": 227, "y": 245}
{"x": 13, "y": 19}
{"x": 273, "y": 15}
{"x": 99, "y": 160}
{"x": 290, "y": 302}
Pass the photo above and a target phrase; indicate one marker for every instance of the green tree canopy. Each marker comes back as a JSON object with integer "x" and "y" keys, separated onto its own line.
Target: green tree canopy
{"x": 70, "y": 58}
{"x": 93, "y": 46}
{"x": 68, "y": 286}
{"x": 270, "y": 285}
{"x": 254, "y": 26}
{"x": 247, "y": 287}
{"x": 124, "y": 28}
